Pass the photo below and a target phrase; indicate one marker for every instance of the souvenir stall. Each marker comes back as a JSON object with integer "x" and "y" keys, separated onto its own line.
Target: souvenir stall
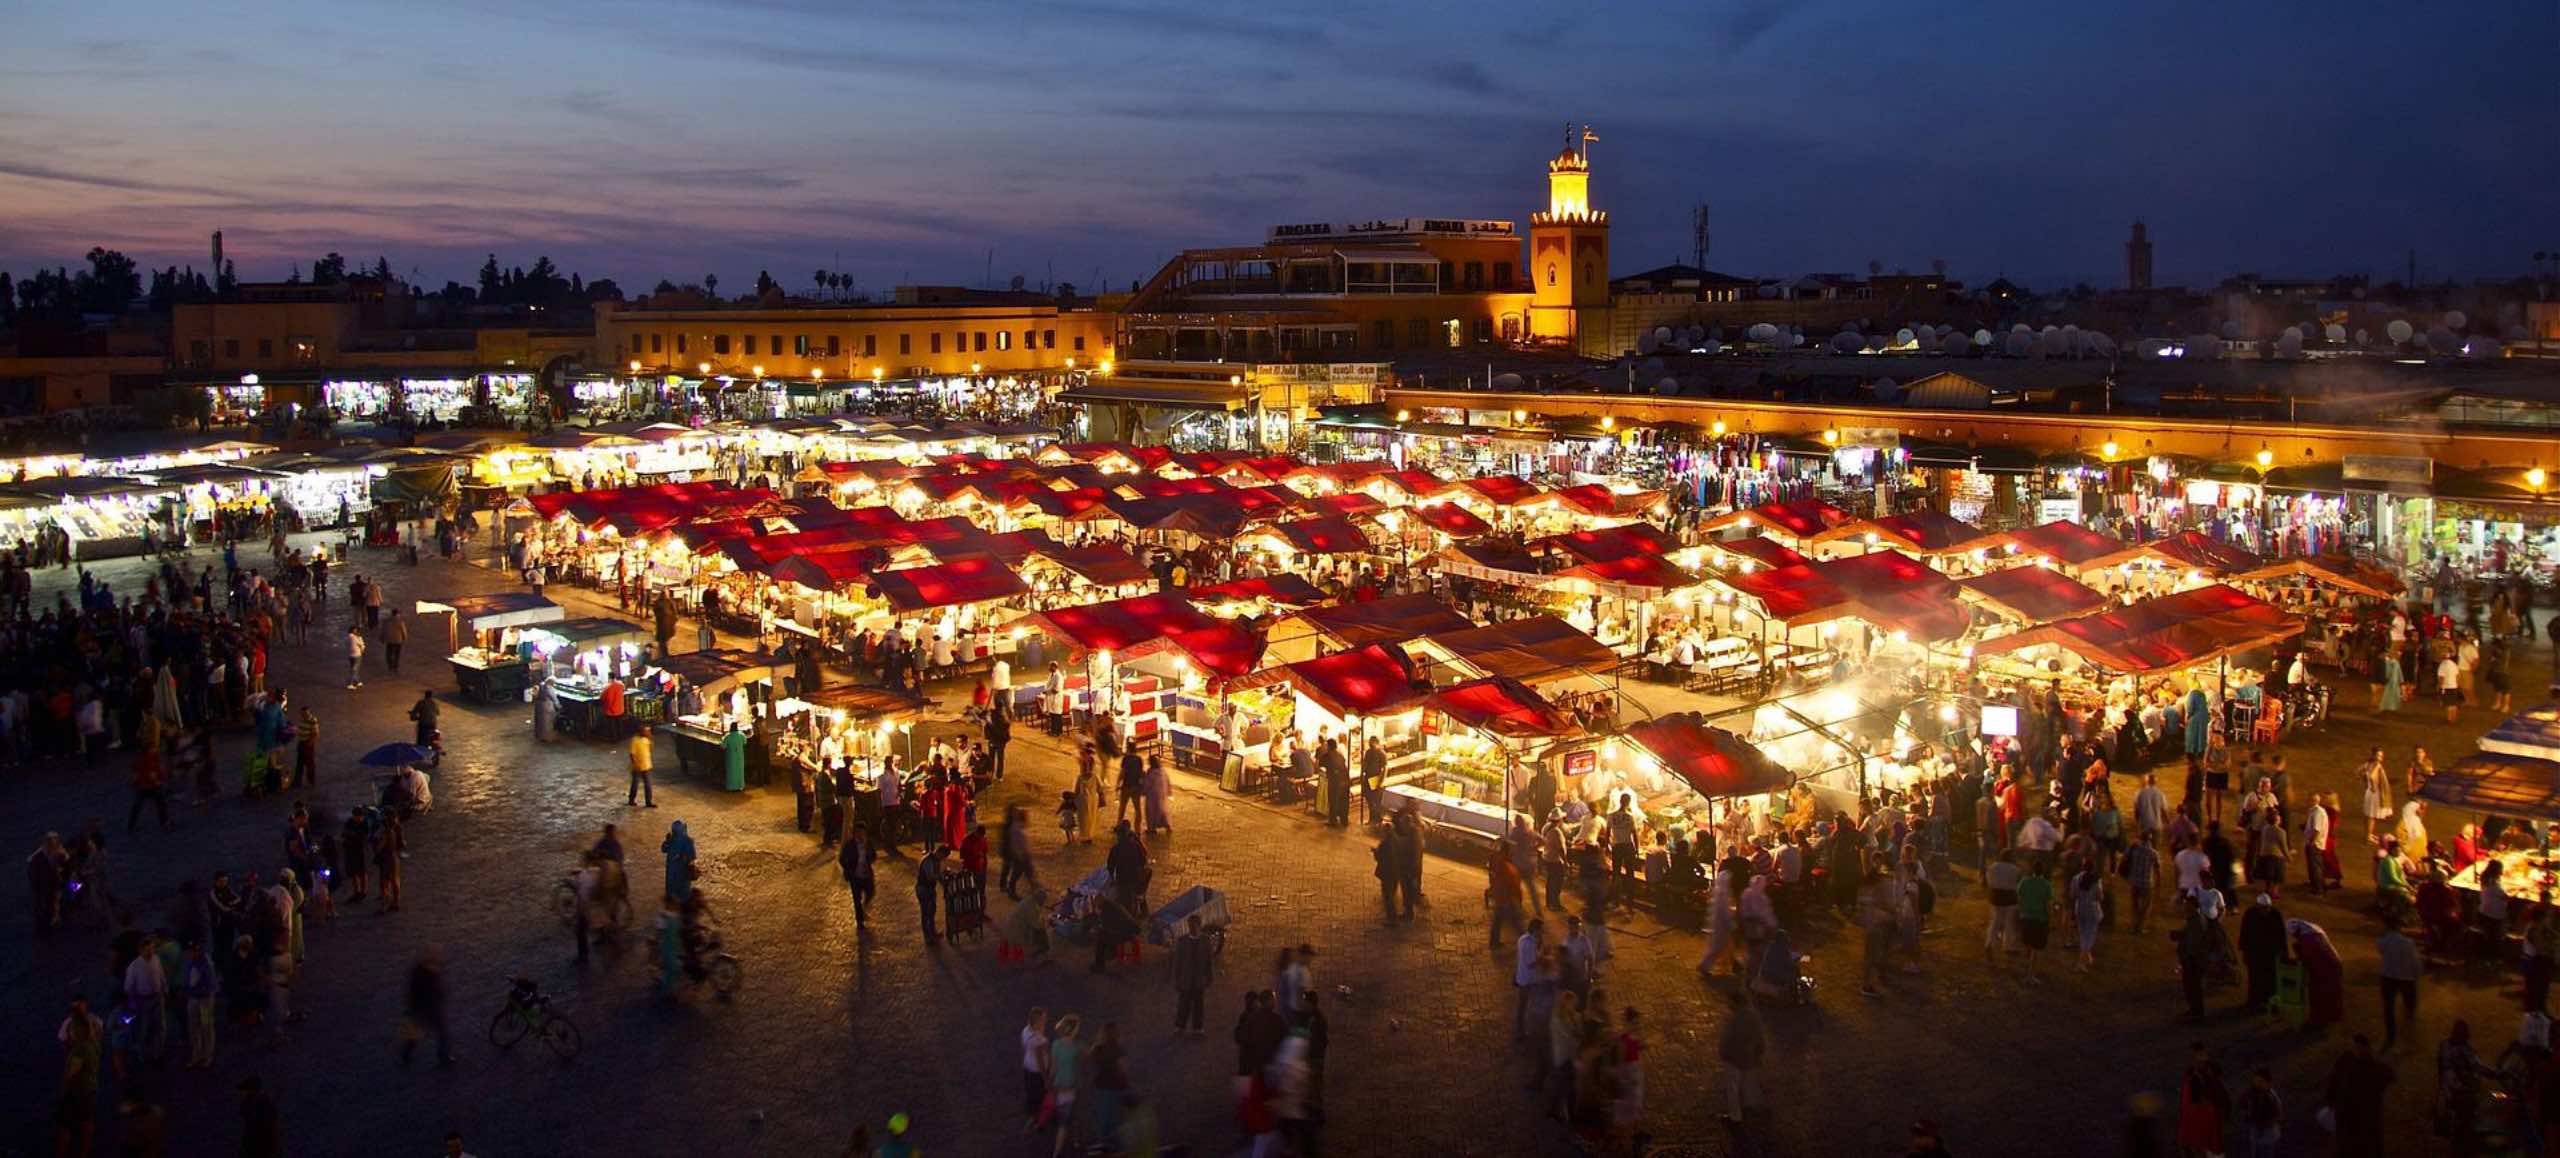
{"x": 211, "y": 494}
{"x": 955, "y": 601}
{"x": 1794, "y": 522}
{"x": 853, "y": 728}
{"x": 1686, "y": 776}
{"x": 578, "y": 657}
{"x": 1482, "y": 740}
{"x": 486, "y": 635}
{"x": 1061, "y": 575}
{"x": 103, "y": 515}
{"x": 707, "y": 692}
{"x": 1168, "y": 668}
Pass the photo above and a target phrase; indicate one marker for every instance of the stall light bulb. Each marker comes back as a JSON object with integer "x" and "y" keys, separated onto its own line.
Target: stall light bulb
{"x": 2107, "y": 449}
{"x": 2266, "y": 458}
{"x": 2535, "y": 477}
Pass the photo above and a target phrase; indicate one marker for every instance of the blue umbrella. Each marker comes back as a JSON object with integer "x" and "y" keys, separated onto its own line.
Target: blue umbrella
{"x": 395, "y": 755}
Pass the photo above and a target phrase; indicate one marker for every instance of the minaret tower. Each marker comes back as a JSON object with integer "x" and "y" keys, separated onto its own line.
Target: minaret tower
{"x": 1569, "y": 253}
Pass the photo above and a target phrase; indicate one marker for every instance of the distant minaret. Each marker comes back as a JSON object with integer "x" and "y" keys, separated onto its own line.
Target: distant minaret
{"x": 2137, "y": 259}
{"x": 217, "y": 253}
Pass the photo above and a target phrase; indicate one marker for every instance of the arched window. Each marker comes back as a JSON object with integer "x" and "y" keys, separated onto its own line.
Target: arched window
{"x": 1551, "y": 273}
{"x": 1586, "y": 271}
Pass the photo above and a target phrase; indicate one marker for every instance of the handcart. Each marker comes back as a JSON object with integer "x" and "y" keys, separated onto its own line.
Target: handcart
{"x": 1200, "y": 901}
{"x": 1071, "y": 917}
{"x": 964, "y": 906}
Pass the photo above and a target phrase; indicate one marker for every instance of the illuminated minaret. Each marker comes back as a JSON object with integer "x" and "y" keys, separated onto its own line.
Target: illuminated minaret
{"x": 1569, "y": 251}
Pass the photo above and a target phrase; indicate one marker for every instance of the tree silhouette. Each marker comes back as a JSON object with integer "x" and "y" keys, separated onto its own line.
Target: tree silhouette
{"x": 329, "y": 270}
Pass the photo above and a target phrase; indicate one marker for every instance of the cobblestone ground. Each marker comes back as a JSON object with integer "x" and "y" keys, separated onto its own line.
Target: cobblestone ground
{"x": 834, "y": 1030}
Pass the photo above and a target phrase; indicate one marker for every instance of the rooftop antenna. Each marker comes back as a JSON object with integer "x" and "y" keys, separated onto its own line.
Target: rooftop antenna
{"x": 1698, "y": 234}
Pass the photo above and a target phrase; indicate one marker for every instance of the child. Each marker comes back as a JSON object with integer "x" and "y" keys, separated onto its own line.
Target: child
{"x": 1067, "y": 815}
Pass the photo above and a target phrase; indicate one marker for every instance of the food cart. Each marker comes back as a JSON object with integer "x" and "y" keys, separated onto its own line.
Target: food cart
{"x": 852, "y": 729}
{"x": 2515, "y": 776}
{"x": 491, "y": 667}
{"x": 579, "y": 657}
{"x": 1684, "y": 775}
{"x": 712, "y": 690}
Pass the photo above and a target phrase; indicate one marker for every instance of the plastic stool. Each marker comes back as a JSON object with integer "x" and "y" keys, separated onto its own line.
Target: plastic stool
{"x": 1129, "y": 951}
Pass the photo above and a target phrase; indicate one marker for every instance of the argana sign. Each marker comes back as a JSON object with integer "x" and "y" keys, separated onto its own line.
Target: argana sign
{"x": 1394, "y": 227}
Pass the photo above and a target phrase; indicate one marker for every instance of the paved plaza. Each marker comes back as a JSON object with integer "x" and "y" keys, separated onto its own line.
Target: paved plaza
{"x": 834, "y": 1030}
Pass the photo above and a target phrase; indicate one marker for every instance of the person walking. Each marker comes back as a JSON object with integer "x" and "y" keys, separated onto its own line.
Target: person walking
{"x": 306, "y": 749}
{"x": 1528, "y": 954}
{"x": 1503, "y": 896}
{"x": 641, "y": 784}
{"x": 2035, "y": 914}
{"x": 1067, "y": 1055}
{"x": 2262, "y": 944}
{"x": 389, "y": 844}
{"x": 678, "y": 850}
{"x": 2400, "y": 968}
{"x": 1192, "y": 965}
{"x": 2204, "y": 1104}
{"x": 1743, "y": 1047}
{"x": 2141, "y": 869}
{"x": 1159, "y": 796}
{"x": 1015, "y": 851}
{"x": 355, "y": 657}
{"x": 2001, "y": 882}
{"x": 395, "y": 634}
{"x": 2354, "y": 1097}
{"x": 201, "y": 987}
{"x": 423, "y": 1013}
{"x": 854, "y": 858}
{"x": 2262, "y": 1113}
{"x": 1035, "y": 1067}
{"x": 150, "y": 785}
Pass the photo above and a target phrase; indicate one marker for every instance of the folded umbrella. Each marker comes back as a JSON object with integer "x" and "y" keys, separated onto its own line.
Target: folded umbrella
{"x": 394, "y": 755}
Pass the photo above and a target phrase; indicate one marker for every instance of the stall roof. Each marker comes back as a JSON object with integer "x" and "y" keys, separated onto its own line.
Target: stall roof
{"x": 1348, "y": 504}
{"x": 1269, "y": 499}
{"x": 1269, "y": 468}
{"x": 878, "y": 470}
{"x": 1600, "y": 502}
{"x": 823, "y": 570}
{"x": 1501, "y": 490}
{"x": 1061, "y": 504}
{"x": 719, "y": 669}
{"x": 1632, "y": 571}
{"x": 1927, "y": 615}
{"x": 2164, "y": 633}
{"x": 1283, "y": 588}
{"x": 2332, "y": 570}
{"x": 1533, "y": 650}
{"x": 211, "y": 472}
{"x": 2498, "y": 785}
{"x": 2534, "y": 732}
{"x": 1101, "y": 564}
{"x": 1221, "y": 649}
{"x": 2033, "y": 594}
{"x": 1713, "y": 761}
{"x": 976, "y": 579}
{"x": 1339, "y": 474}
{"x": 1800, "y": 520}
{"x": 588, "y": 631}
{"x": 1395, "y": 618}
{"x": 1363, "y": 681}
{"x": 1761, "y": 549}
{"x": 2069, "y": 544}
{"x": 497, "y": 609}
{"x": 1607, "y": 544}
{"x": 1413, "y": 482}
{"x": 2201, "y": 552}
{"x": 1451, "y": 519}
{"x": 1504, "y": 707}
{"x": 1926, "y": 532}
{"x": 1165, "y": 488}
{"x": 1327, "y": 535}
{"x": 1009, "y": 547}
{"x": 864, "y": 701}
{"x": 1487, "y": 555}
{"x": 1122, "y": 624}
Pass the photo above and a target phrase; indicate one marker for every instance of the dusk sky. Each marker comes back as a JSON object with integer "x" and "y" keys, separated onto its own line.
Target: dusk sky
{"x": 901, "y": 139}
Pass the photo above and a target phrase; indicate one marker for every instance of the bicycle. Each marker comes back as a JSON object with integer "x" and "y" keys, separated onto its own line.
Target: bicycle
{"x": 528, "y": 1010}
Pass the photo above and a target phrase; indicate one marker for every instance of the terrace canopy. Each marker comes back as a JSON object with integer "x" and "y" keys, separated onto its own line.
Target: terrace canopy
{"x": 2163, "y": 634}
{"x": 1345, "y": 626}
{"x": 1536, "y": 650}
{"x": 1715, "y": 762}
{"x": 2032, "y": 594}
{"x": 1800, "y": 520}
{"x": 1364, "y": 681}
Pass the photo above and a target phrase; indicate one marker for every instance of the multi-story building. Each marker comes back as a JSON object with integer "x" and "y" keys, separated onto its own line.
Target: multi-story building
{"x": 925, "y": 332}
{"x": 352, "y": 346}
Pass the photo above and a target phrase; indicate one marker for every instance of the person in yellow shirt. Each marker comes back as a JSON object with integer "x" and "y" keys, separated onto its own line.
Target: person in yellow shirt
{"x": 640, "y": 783}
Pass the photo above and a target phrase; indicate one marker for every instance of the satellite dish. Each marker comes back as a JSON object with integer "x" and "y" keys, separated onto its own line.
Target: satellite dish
{"x": 1944, "y": 329}
{"x": 2021, "y": 328}
{"x": 1794, "y": 340}
{"x": 1666, "y": 385}
{"x": 2335, "y": 333}
{"x": 1651, "y": 366}
{"x": 2103, "y": 344}
{"x": 1695, "y": 336}
{"x": 2400, "y": 330}
{"x": 2364, "y": 337}
{"x": 1711, "y": 346}
{"x": 2443, "y": 341}
{"x": 2289, "y": 345}
{"x": 1956, "y": 346}
{"x": 1660, "y": 335}
{"x": 1982, "y": 337}
{"x": 1904, "y": 337}
{"x": 1887, "y": 389}
{"x": 1646, "y": 342}
{"x": 2019, "y": 343}
{"x": 2231, "y": 330}
{"x": 1762, "y": 332}
{"x": 2454, "y": 320}
{"x": 1845, "y": 344}
{"x": 1930, "y": 342}
{"x": 1875, "y": 343}
{"x": 1508, "y": 381}
{"x": 1848, "y": 327}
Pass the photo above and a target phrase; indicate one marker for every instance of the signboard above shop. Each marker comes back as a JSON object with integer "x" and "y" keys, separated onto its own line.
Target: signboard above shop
{"x": 2388, "y": 468}
{"x": 1392, "y": 227}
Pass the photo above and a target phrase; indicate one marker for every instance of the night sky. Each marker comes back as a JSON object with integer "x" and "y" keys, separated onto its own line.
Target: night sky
{"x": 900, "y": 140}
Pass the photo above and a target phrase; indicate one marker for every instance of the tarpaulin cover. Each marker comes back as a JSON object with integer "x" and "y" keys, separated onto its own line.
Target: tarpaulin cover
{"x": 1165, "y": 488}
{"x": 1532, "y": 650}
{"x": 1397, "y": 617}
{"x": 1121, "y": 624}
{"x": 1340, "y": 474}
{"x": 1501, "y": 490}
{"x": 1799, "y": 520}
{"x": 2498, "y": 785}
{"x": 1221, "y": 649}
{"x": 497, "y": 609}
{"x": 976, "y": 579}
{"x": 1451, "y": 519}
{"x": 717, "y": 670}
{"x": 2533, "y": 733}
{"x": 1608, "y": 543}
{"x": 1483, "y": 558}
{"x": 2034, "y": 594}
{"x": 1207, "y": 516}
{"x": 1269, "y": 468}
{"x": 2068, "y": 543}
{"x": 590, "y": 631}
{"x": 1269, "y": 499}
{"x": 2332, "y": 570}
{"x": 1504, "y": 707}
{"x": 1713, "y": 761}
{"x": 1101, "y": 564}
{"x": 1009, "y": 548}
{"x": 940, "y": 488}
{"x": 1330, "y": 535}
{"x": 1650, "y": 571}
{"x": 1413, "y": 483}
{"x": 1880, "y": 573}
{"x": 2202, "y": 552}
{"x": 1349, "y": 504}
{"x": 823, "y": 570}
{"x": 427, "y": 485}
{"x": 864, "y": 701}
{"x": 1763, "y": 550}
{"x": 1601, "y": 502}
{"x": 1061, "y": 504}
{"x": 1364, "y": 681}
{"x": 1209, "y": 462}
{"x": 1283, "y": 588}
{"x": 2164, "y": 633}
{"x": 1086, "y": 452}
{"x": 1927, "y": 532}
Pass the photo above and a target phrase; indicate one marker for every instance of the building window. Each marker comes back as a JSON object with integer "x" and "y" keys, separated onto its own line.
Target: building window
{"x": 936, "y": 336}
{"x": 959, "y": 341}
{"x": 200, "y": 351}
{"x": 906, "y": 345}
{"x": 1475, "y": 275}
{"x": 1382, "y": 333}
{"x": 982, "y": 342}
{"x": 747, "y": 343}
{"x": 657, "y": 343}
{"x": 800, "y": 345}
{"x": 266, "y": 347}
{"x": 1004, "y": 339}
{"x": 1030, "y": 339}
{"x": 835, "y": 346}
{"x": 1048, "y": 339}
{"x": 720, "y": 345}
{"x": 773, "y": 345}
{"x": 1484, "y": 329}
{"x": 635, "y": 343}
{"x": 1417, "y": 333}
{"x": 870, "y": 346}
{"x": 682, "y": 341}
{"x": 1079, "y": 343}
{"x": 1502, "y": 275}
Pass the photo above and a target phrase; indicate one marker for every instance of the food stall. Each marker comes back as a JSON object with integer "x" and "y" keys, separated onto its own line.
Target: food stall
{"x": 490, "y": 668}
{"x": 852, "y": 728}
{"x": 579, "y": 657}
{"x": 1685, "y": 775}
{"x": 2514, "y": 776}
{"x": 712, "y": 690}
{"x": 1481, "y": 741}
{"x": 1794, "y": 523}
{"x": 1366, "y": 696}
{"x": 2030, "y": 595}
{"x": 2100, "y": 660}
{"x": 1256, "y": 597}
{"x": 1306, "y": 634}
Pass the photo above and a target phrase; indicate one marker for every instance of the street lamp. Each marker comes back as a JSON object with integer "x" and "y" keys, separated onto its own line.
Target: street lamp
{"x": 2535, "y": 478}
{"x": 2266, "y": 457}
{"x": 635, "y": 365}
{"x": 2107, "y": 450}
{"x": 704, "y": 367}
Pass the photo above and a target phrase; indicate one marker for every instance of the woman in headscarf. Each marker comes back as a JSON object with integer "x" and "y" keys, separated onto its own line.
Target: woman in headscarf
{"x": 1159, "y": 796}
{"x": 546, "y": 709}
{"x": 1719, "y": 924}
{"x": 1088, "y": 797}
{"x": 2412, "y": 829}
{"x": 2324, "y": 980}
{"x": 678, "y": 848}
